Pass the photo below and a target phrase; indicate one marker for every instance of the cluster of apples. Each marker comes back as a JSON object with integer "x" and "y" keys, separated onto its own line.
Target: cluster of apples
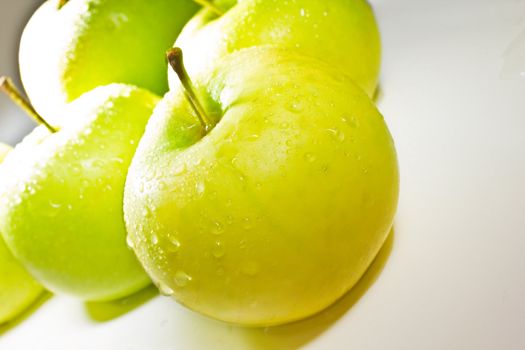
{"x": 257, "y": 191}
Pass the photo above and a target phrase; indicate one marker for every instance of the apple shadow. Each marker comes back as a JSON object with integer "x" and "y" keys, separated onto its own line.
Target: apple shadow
{"x": 110, "y": 310}
{"x": 297, "y": 334}
{"x": 41, "y": 300}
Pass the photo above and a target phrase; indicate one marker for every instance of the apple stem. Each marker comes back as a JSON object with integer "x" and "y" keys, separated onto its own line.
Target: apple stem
{"x": 7, "y": 87}
{"x": 210, "y": 6}
{"x": 177, "y": 63}
{"x": 61, "y": 3}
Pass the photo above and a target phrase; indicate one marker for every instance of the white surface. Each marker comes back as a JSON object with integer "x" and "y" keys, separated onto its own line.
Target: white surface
{"x": 453, "y": 93}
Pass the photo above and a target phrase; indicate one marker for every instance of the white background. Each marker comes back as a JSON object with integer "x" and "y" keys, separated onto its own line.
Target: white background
{"x": 453, "y": 274}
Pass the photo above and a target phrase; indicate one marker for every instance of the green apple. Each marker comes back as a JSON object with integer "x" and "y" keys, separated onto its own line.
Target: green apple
{"x": 71, "y": 47}
{"x": 18, "y": 289}
{"x": 343, "y": 33}
{"x": 62, "y": 193}
{"x": 277, "y": 207}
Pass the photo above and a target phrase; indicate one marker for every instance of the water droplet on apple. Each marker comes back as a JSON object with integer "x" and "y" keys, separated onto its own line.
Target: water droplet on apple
{"x": 310, "y": 157}
{"x": 54, "y": 208}
{"x": 337, "y": 134}
{"x": 165, "y": 290}
{"x": 75, "y": 170}
{"x": 200, "y": 187}
{"x": 229, "y": 219}
{"x": 179, "y": 169}
{"x": 31, "y": 189}
{"x": 295, "y": 106}
{"x": 242, "y": 244}
{"x": 325, "y": 13}
{"x": 174, "y": 245}
{"x": 302, "y": 12}
{"x": 99, "y": 163}
{"x": 218, "y": 250}
{"x": 217, "y": 228}
{"x": 247, "y": 223}
{"x": 154, "y": 239}
{"x": 350, "y": 120}
{"x": 253, "y": 137}
{"x": 234, "y": 161}
{"x": 118, "y": 19}
{"x": 182, "y": 279}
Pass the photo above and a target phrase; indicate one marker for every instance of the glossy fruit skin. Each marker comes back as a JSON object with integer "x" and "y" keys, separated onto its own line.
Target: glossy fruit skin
{"x": 18, "y": 289}
{"x": 343, "y": 33}
{"x": 62, "y": 217}
{"x": 87, "y": 43}
{"x": 279, "y": 210}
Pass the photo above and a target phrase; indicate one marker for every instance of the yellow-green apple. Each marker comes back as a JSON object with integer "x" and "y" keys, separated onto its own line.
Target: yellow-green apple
{"x": 343, "y": 33}
{"x": 71, "y": 47}
{"x": 266, "y": 198}
{"x": 62, "y": 190}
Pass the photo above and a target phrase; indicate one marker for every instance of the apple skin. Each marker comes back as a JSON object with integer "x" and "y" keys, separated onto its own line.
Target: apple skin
{"x": 280, "y": 209}
{"x": 87, "y": 43}
{"x": 18, "y": 289}
{"x": 62, "y": 193}
{"x": 344, "y": 33}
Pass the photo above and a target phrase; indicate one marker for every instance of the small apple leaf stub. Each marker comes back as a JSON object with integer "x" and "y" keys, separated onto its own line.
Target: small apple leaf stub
{"x": 62, "y": 3}
{"x": 8, "y": 87}
{"x": 210, "y": 6}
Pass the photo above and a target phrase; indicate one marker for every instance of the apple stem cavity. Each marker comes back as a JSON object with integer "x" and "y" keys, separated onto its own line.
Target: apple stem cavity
{"x": 7, "y": 87}
{"x": 208, "y": 4}
{"x": 61, "y": 3}
{"x": 176, "y": 62}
